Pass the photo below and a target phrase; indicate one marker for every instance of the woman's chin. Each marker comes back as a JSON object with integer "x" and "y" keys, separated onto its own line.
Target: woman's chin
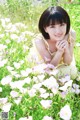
{"x": 59, "y": 38}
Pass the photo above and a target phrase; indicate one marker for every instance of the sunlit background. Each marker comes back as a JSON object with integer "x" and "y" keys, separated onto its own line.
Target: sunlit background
{"x": 28, "y": 92}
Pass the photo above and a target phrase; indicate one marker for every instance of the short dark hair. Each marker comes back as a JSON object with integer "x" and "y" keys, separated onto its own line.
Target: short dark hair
{"x": 53, "y": 15}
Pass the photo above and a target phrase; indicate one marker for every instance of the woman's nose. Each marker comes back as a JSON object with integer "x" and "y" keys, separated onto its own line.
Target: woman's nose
{"x": 58, "y": 30}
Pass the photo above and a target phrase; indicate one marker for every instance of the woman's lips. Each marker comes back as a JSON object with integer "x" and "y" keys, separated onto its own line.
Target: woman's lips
{"x": 59, "y": 35}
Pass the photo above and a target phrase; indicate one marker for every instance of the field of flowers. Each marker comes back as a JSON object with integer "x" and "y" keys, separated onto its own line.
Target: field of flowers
{"x": 29, "y": 92}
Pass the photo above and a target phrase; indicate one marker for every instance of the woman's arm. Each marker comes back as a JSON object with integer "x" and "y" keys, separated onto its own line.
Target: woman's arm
{"x": 57, "y": 58}
{"x": 41, "y": 48}
{"x": 40, "y": 45}
{"x": 68, "y": 51}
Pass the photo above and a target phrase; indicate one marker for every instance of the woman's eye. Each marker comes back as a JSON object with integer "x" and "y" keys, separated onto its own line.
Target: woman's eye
{"x": 62, "y": 24}
{"x": 52, "y": 26}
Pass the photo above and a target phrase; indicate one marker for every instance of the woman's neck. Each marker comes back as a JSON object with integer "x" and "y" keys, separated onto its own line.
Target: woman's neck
{"x": 51, "y": 41}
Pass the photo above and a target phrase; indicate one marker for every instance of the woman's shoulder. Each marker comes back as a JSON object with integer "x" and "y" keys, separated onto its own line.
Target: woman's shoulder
{"x": 38, "y": 40}
{"x": 73, "y": 34}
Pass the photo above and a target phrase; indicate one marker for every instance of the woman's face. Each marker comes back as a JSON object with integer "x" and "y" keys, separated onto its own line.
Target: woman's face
{"x": 56, "y": 32}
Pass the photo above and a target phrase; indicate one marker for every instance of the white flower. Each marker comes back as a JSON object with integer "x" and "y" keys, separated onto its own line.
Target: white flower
{"x": 3, "y": 22}
{"x": 21, "y": 62}
{"x": 65, "y": 79}
{"x": 9, "y": 26}
{"x": 7, "y": 41}
{"x": 63, "y": 94}
{"x": 12, "y": 50}
{"x": 23, "y": 118}
{"x": 50, "y": 66}
{"x": 47, "y": 118}
{"x": 14, "y": 36}
{"x": 37, "y": 86}
{"x": 76, "y": 89}
{"x": 1, "y": 35}
{"x": 65, "y": 112}
{"x": 23, "y": 73}
{"x": 3, "y": 62}
{"x": 13, "y": 30}
{"x": 10, "y": 68}
{"x": 41, "y": 77}
{"x": 75, "y": 86}
{"x": 45, "y": 95}
{"x": 17, "y": 75}
{"x": 20, "y": 25}
{"x": 26, "y": 118}
{"x": 3, "y": 100}
{"x": 78, "y": 78}
{"x": 6, "y": 80}
{"x": 67, "y": 84}
{"x": 2, "y": 47}
{"x": 52, "y": 84}
{"x": 53, "y": 72}
{"x": 6, "y": 107}
{"x": 21, "y": 38}
{"x": 17, "y": 84}
{"x": 29, "y": 33}
{"x": 17, "y": 65}
{"x": 35, "y": 79}
{"x": 13, "y": 73}
{"x": 54, "y": 90}
{"x": 0, "y": 89}
{"x": 7, "y": 20}
{"x": 26, "y": 72}
{"x": 32, "y": 92}
{"x": 14, "y": 94}
{"x": 49, "y": 83}
{"x": 27, "y": 80}
{"x": 78, "y": 44}
{"x": 23, "y": 90}
{"x": 39, "y": 68}
{"x": 25, "y": 48}
{"x": 42, "y": 90}
{"x": 46, "y": 103}
{"x": 18, "y": 100}
{"x": 51, "y": 95}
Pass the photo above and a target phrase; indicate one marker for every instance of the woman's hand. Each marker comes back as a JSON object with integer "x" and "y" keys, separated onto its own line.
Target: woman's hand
{"x": 62, "y": 45}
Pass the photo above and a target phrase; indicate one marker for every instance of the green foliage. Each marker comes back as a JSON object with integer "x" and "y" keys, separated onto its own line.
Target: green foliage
{"x": 26, "y": 12}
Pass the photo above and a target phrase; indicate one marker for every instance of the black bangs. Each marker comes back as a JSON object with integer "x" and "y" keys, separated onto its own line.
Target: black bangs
{"x": 55, "y": 18}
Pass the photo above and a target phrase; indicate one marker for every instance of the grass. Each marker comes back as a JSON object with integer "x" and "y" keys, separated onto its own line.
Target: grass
{"x": 17, "y": 40}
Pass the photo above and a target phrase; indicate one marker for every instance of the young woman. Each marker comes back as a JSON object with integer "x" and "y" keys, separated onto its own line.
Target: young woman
{"x": 56, "y": 42}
